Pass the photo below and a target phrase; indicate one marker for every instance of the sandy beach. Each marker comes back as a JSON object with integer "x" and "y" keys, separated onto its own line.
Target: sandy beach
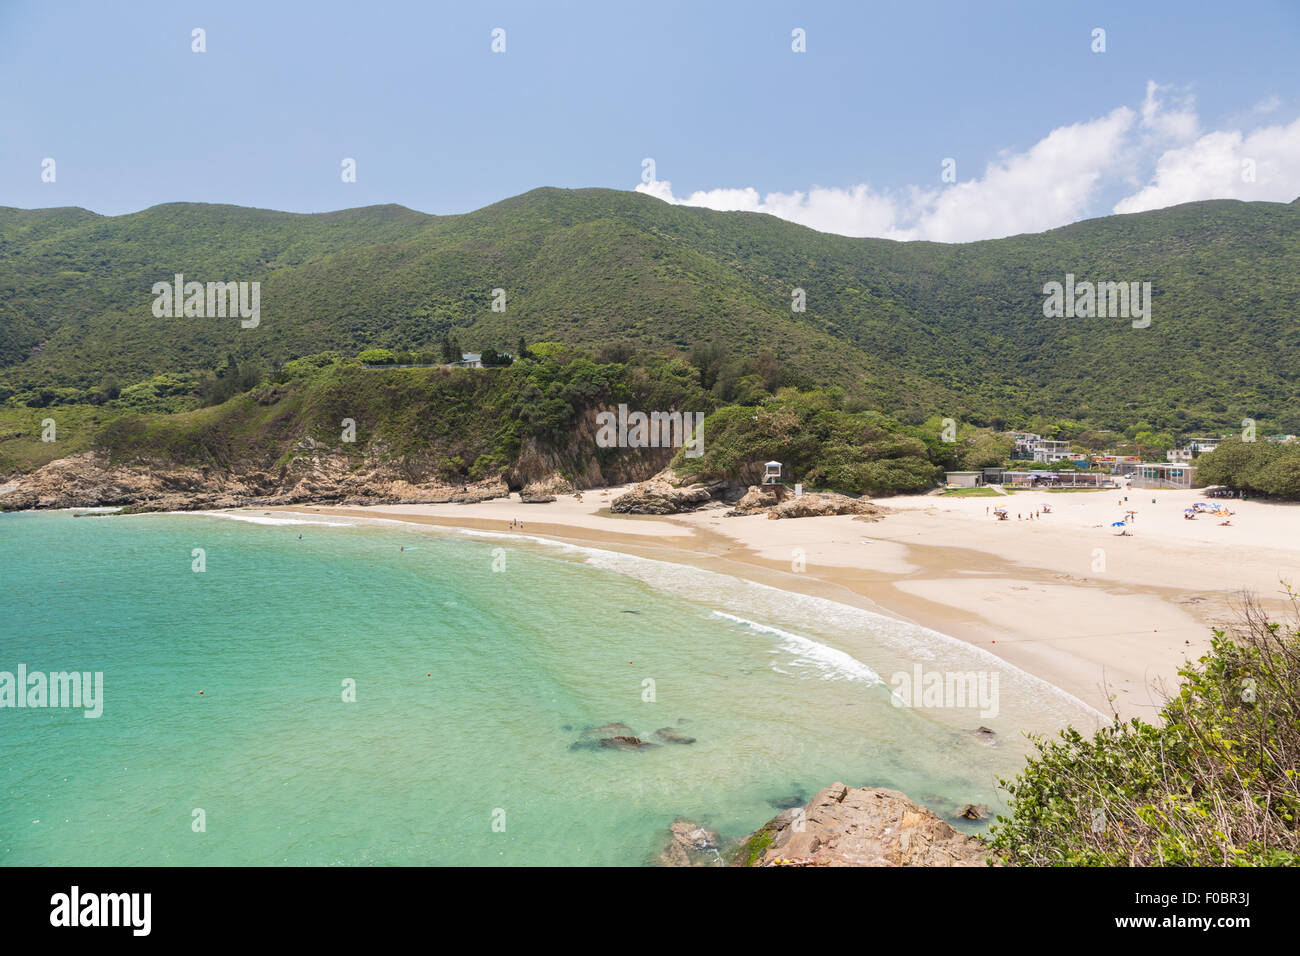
{"x": 1107, "y": 617}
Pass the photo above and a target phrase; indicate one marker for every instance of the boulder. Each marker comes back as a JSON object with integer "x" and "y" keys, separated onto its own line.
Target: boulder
{"x": 547, "y": 489}
{"x": 779, "y": 501}
{"x": 973, "y": 811}
{"x": 818, "y": 504}
{"x": 846, "y": 826}
{"x": 661, "y": 495}
{"x": 790, "y": 801}
{"x": 593, "y": 738}
{"x": 670, "y": 736}
{"x": 760, "y": 498}
{"x": 690, "y": 844}
{"x": 623, "y": 742}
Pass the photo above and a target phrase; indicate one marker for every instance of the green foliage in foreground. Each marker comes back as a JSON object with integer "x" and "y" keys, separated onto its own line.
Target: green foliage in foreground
{"x": 1216, "y": 784}
{"x": 1258, "y": 467}
{"x": 819, "y": 443}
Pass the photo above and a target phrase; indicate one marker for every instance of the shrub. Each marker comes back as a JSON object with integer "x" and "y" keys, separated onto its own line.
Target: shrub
{"x": 1216, "y": 784}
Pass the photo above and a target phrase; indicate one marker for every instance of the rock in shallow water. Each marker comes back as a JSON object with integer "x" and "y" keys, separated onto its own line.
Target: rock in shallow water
{"x": 670, "y": 736}
{"x": 690, "y": 844}
{"x": 626, "y": 743}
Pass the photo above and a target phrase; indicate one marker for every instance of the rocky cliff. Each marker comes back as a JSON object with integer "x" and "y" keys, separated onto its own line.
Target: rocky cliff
{"x": 90, "y": 480}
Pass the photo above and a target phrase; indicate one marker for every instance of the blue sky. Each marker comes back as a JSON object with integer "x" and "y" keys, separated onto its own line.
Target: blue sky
{"x": 848, "y": 136}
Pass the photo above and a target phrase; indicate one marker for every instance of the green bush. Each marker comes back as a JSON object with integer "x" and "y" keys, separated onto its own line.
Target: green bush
{"x": 377, "y": 357}
{"x": 1216, "y": 783}
{"x": 818, "y": 442}
{"x": 1259, "y": 467}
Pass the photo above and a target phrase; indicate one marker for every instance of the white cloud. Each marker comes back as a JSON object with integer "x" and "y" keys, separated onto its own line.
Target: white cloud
{"x": 1268, "y": 104}
{"x": 1157, "y": 150}
{"x": 1051, "y": 184}
{"x": 1176, "y": 123}
{"x": 1219, "y": 166}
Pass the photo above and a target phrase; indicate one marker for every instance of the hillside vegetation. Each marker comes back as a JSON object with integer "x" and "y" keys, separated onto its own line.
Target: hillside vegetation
{"x": 911, "y": 329}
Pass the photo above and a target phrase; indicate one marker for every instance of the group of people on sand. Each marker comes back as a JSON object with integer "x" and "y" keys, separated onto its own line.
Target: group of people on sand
{"x": 516, "y": 523}
{"x": 1032, "y": 515}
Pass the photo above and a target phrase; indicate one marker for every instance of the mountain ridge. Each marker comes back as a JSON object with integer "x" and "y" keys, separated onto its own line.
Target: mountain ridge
{"x": 920, "y": 327}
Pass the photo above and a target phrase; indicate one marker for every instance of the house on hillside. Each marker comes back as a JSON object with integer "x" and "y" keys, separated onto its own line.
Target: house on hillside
{"x": 1025, "y": 442}
{"x": 470, "y": 360}
{"x": 1046, "y": 451}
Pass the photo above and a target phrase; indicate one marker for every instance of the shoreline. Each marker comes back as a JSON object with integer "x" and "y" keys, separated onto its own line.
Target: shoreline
{"x": 1060, "y": 597}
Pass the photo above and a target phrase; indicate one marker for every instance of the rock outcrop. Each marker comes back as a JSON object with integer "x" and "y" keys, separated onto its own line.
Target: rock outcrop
{"x": 826, "y": 503}
{"x": 778, "y": 501}
{"x": 546, "y": 489}
{"x": 760, "y": 498}
{"x": 663, "y": 494}
{"x": 313, "y": 474}
{"x": 690, "y": 844}
{"x": 670, "y": 736}
{"x": 973, "y": 811}
{"x": 845, "y": 826}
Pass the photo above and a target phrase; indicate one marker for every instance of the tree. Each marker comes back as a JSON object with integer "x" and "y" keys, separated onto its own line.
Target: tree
{"x": 108, "y": 390}
{"x": 708, "y": 359}
{"x": 1281, "y": 477}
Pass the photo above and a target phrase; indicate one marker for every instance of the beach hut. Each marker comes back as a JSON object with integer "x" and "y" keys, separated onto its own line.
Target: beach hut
{"x": 772, "y": 473}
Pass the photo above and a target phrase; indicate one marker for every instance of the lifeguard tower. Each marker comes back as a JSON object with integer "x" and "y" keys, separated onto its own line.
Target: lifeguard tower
{"x": 772, "y": 473}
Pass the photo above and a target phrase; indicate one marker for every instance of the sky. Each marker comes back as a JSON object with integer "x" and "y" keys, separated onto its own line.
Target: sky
{"x": 949, "y": 121}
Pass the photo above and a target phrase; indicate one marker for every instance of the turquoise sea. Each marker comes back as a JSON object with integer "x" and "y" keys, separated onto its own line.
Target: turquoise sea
{"x": 471, "y": 686}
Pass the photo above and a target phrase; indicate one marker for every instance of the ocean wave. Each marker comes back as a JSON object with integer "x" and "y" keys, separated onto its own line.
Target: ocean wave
{"x": 899, "y": 644}
{"x": 833, "y": 664}
{"x": 264, "y": 519}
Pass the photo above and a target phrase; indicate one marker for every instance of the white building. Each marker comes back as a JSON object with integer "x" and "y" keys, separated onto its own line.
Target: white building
{"x": 1025, "y": 442}
{"x": 1046, "y": 451}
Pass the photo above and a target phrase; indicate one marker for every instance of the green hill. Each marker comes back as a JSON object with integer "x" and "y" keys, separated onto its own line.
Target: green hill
{"x": 914, "y": 328}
